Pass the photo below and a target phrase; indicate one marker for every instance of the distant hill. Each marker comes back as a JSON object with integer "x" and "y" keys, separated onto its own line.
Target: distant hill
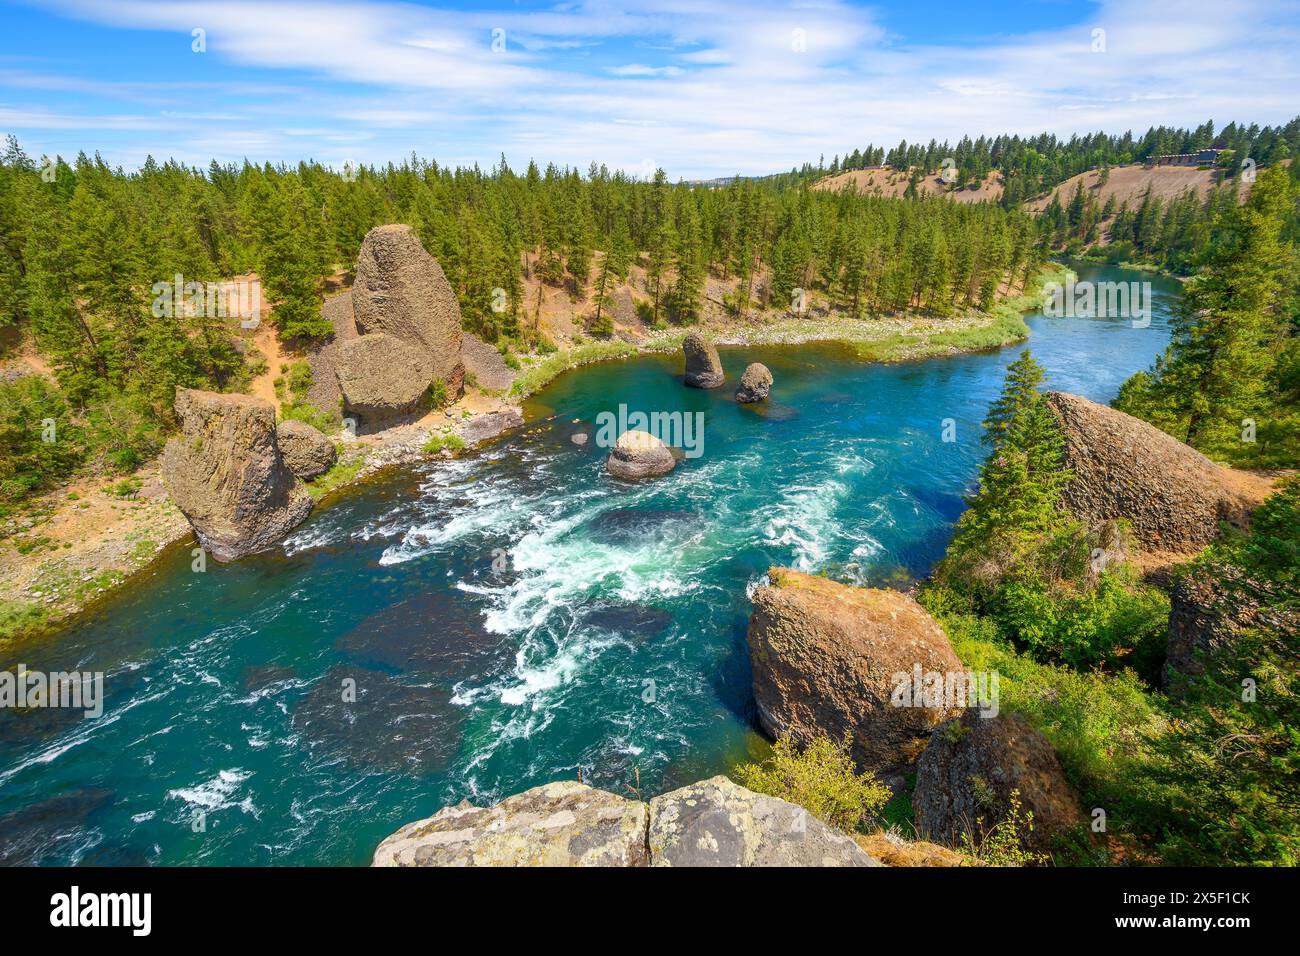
{"x": 1126, "y": 183}
{"x": 884, "y": 181}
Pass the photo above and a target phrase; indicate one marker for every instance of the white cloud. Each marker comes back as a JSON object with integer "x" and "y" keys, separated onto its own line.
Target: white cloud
{"x": 735, "y": 88}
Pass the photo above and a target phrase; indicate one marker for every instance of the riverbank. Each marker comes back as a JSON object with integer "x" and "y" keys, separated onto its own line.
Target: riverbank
{"x": 74, "y": 546}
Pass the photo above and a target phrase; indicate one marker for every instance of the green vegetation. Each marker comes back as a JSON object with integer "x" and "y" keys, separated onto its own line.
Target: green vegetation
{"x": 1229, "y": 383}
{"x": 291, "y": 387}
{"x": 1019, "y": 557}
{"x": 821, "y": 779}
{"x": 19, "y": 619}
{"x": 1003, "y": 843}
{"x": 443, "y": 441}
{"x": 345, "y": 469}
{"x": 536, "y": 377}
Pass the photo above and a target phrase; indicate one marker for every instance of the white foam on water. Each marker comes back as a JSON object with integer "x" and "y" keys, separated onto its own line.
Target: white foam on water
{"x": 215, "y": 794}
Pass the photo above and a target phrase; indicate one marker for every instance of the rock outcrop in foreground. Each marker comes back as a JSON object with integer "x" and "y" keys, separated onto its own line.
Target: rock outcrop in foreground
{"x": 755, "y": 384}
{"x": 1173, "y": 495}
{"x": 825, "y": 658}
{"x": 718, "y": 823}
{"x": 703, "y": 367}
{"x": 225, "y": 472}
{"x": 638, "y": 454}
{"x": 967, "y": 774}
{"x": 306, "y": 450}
{"x": 712, "y": 823}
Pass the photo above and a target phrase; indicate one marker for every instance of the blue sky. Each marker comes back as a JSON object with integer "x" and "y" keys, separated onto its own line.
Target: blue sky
{"x": 699, "y": 87}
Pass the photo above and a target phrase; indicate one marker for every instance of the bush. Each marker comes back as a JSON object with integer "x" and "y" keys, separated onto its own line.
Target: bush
{"x": 440, "y": 441}
{"x": 821, "y": 779}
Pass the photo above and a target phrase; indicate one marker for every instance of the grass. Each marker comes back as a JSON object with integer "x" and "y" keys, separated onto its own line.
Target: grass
{"x": 344, "y": 470}
{"x": 443, "y": 441}
{"x": 536, "y": 377}
{"x": 19, "y": 619}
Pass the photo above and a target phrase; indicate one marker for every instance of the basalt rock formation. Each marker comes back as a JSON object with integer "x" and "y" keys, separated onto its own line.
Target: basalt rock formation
{"x": 703, "y": 367}
{"x": 383, "y": 379}
{"x": 306, "y": 451}
{"x": 718, "y": 823}
{"x": 226, "y": 473}
{"x": 1173, "y": 495}
{"x": 827, "y": 659}
{"x": 638, "y": 454}
{"x": 755, "y": 384}
{"x": 559, "y": 824}
{"x": 711, "y": 823}
{"x": 965, "y": 778}
{"x": 400, "y": 290}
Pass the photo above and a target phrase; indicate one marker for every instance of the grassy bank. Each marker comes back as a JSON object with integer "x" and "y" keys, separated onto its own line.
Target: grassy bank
{"x": 880, "y": 339}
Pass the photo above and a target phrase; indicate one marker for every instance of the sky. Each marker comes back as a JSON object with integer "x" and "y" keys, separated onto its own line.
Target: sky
{"x": 700, "y": 88}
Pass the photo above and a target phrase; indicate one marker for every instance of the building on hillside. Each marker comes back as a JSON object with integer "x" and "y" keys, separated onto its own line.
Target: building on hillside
{"x": 1202, "y": 157}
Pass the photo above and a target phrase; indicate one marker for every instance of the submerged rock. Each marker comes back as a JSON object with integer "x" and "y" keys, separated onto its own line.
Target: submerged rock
{"x": 400, "y": 290}
{"x": 306, "y": 451}
{"x": 967, "y": 774}
{"x": 225, "y": 472}
{"x": 383, "y": 379}
{"x": 703, "y": 367}
{"x": 719, "y": 823}
{"x": 638, "y": 454}
{"x": 755, "y": 384}
{"x": 1174, "y": 497}
{"x": 827, "y": 658}
{"x": 558, "y": 824}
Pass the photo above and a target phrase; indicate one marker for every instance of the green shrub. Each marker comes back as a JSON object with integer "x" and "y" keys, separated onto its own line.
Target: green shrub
{"x": 440, "y": 441}
{"x": 821, "y": 779}
{"x": 28, "y": 463}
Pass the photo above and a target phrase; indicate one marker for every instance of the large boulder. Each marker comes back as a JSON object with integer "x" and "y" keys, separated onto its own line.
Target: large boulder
{"x": 755, "y": 384}
{"x": 306, "y": 451}
{"x": 703, "y": 367}
{"x": 558, "y": 824}
{"x": 718, "y": 823}
{"x": 1209, "y": 607}
{"x": 225, "y": 472}
{"x": 638, "y": 454}
{"x": 400, "y": 290}
{"x": 1173, "y": 495}
{"x": 382, "y": 378}
{"x": 965, "y": 778}
{"x": 828, "y": 658}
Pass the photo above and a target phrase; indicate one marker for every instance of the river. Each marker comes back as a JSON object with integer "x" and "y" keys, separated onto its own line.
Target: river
{"x": 470, "y": 628}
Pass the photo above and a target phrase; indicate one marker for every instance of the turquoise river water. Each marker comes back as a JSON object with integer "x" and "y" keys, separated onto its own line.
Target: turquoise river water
{"x": 507, "y": 618}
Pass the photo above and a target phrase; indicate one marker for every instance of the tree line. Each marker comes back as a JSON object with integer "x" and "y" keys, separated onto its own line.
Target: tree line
{"x": 83, "y": 244}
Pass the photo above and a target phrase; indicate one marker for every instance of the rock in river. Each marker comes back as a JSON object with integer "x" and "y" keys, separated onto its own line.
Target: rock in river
{"x": 225, "y": 472}
{"x": 703, "y": 367}
{"x": 638, "y": 454}
{"x": 755, "y": 384}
